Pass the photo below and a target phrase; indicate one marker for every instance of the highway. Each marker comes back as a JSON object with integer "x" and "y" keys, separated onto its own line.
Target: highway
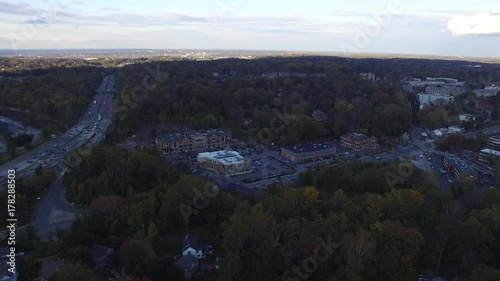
{"x": 53, "y": 211}
{"x": 90, "y": 129}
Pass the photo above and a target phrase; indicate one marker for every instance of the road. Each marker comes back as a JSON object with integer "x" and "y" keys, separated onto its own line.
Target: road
{"x": 90, "y": 129}
{"x": 53, "y": 211}
{"x": 423, "y": 156}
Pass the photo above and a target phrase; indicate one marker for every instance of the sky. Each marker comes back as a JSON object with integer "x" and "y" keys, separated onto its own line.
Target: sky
{"x": 423, "y": 27}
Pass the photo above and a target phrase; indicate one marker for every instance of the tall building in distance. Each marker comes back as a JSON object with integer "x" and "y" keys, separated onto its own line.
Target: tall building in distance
{"x": 193, "y": 141}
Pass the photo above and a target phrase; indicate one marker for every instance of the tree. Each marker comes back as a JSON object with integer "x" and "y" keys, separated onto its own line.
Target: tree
{"x": 75, "y": 272}
{"x": 153, "y": 233}
{"x": 485, "y": 273}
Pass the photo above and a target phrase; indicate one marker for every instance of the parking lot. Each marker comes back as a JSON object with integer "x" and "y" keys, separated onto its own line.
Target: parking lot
{"x": 437, "y": 166}
{"x": 263, "y": 168}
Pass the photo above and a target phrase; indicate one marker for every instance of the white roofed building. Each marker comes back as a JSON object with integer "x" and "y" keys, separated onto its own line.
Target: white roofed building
{"x": 227, "y": 162}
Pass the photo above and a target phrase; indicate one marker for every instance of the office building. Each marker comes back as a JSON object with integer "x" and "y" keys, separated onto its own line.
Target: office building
{"x": 489, "y": 156}
{"x": 226, "y": 162}
{"x": 308, "y": 152}
{"x": 493, "y": 142}
{"x": 445, "y": 90}
{"x": 487, "y": 92}
{"x": 436, "y": 100}
{"x": 359, "y": 142}
{"x": 193, "y": 141}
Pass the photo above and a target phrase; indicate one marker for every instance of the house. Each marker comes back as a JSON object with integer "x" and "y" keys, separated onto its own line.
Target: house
{"x": 6, "y": 275}
{"x": 191, "y": 245}
{"x": 188, "y": 264}
{"x": 101, "y": 255}
{"x": 47, "y": 267}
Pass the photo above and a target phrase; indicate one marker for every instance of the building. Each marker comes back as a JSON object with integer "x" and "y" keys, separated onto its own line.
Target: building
{"x": 487, "y": 92}
{"x": 489, "y": 156}
{"x": 187, "y": 264}
{"x": 319, "y": 116}
{"x": 359, "y": 142}
{"x": 227, "y": 162}
{"x": 192, "y": 246}
{"x": 4, "y": 128}
{"x": 193, "y": 141}
{"x": 47, "y": 267}
{"x": 308, "y": 152}
{"x": 436, "y": 100}
{"x": 101, "y": 255}
{"x": 368, "y": 76}
{"x": 466, "y": 117}
{"x": 458, "y": 168}
{"x": 493, "y": 142}
{"x": 445, "y": 90}
{"x": 455, "y": 130}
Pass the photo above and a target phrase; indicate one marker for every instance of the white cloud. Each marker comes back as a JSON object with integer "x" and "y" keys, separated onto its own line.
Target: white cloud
{"x": 477, "y": 24}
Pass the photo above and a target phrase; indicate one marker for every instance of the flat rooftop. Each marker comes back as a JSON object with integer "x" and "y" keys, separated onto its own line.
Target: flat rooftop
{"x": 223, "y": 156}
{"x": 309, "y": 147}
{"x": 169, "y": 137}
{"x": 491, "y": 152}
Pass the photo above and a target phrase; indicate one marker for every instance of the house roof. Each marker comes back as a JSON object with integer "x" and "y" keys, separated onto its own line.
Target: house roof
{"x": 99, "y": 252}
{"x": 188, "y": 262}
{"x": 191, "y": 240}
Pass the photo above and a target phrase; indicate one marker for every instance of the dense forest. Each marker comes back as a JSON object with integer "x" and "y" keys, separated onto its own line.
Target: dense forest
{"x": 377, "y": 222}
{"x": 233, "y": 93}
{"x": 366, "y": 220}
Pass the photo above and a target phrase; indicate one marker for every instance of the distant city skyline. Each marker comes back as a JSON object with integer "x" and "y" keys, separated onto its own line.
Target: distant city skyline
{"x": 447, "y": 27}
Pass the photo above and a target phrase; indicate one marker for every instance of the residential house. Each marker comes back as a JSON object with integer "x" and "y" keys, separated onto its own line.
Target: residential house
{"x": 101, "y": 255}
{"x": 191, "y": 245}
{"x": 319, "y": 116}
{"x": 188, "y": 264}
{"x": 47, "y": 268}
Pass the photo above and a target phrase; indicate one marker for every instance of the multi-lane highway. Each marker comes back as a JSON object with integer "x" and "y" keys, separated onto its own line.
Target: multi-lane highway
{"x": 90, "y": 128}
{"x": 53, "y": 211}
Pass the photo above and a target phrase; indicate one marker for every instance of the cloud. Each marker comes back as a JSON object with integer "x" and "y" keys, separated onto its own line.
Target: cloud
{"x": 15, "y": 8}
{"x": 476, "y": 24}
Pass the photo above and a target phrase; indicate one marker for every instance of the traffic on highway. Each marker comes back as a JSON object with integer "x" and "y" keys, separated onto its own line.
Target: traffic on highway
{"x": 90, "y": 130}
